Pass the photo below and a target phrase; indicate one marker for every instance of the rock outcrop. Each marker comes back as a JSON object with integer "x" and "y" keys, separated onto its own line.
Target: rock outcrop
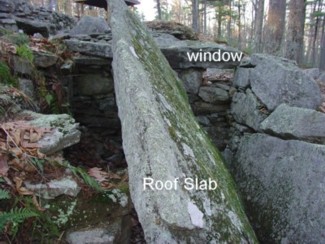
{"x": 283, "y": 184}
{"x": 277, "y": 80}
{"x": 18, "y": 14}
{"x": 280, "y": 173}
{"x": 163, "y": 141}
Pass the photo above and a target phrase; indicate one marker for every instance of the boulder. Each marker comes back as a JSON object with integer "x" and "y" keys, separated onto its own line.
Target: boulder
{"x": 163, "y": 143}
{"x": 276, "y": 80}
{"x": 313, "y": 73}
{"x": 90, "y": 48}
{"x": 292, "y": 122}
{"x": 246, "y": 110}
{"x": 55, "y": 188}
{"x": 179, "y": 31}
{"x": 31, "y": 27}
{"x": 242, "y": 77}
{"x": 27, "y": 87}
{"x": 186, "y": 54}
{"x": 215, "y": 74}
{"x": 22, "y": 66}
{"x": 282, "y": 183}
{"x": 192, "y": 80}
{"x": 7, "y": 6}
{"x": 213, "y": 94}
{"x": 64, "y": 132}
{"x": 164, "y": 39}
{"x": 90, "y": 25}
{"x": 44, "y": 59}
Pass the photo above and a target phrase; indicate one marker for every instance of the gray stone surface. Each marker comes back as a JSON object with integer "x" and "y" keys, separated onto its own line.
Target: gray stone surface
{"x": 162, "y": 140}
{"x": 44, "y": 60}
{"x": 22, "y": 66}
{"x": 7, "y": 6}
{"x": 277, "y": 80}
{"x": 282, "y": 183}
{"x": 90, "y": 48}
{"x": 54, "y": 188}
{"x": 313, "y": 73}
{"x": 64, "y": 132}
{"x": 242, "y": 77}
{"x": 246, "y": 110}
{"x": 292, "y": 122}
{"x": 203, "y": 108}
{"x": 33, "y": 26}
{"x": 94, "y": 84}
{"x": 164, "y": 39}
{"x": 213, "y": 94}
{"x": 177, "y": 54}
{"x": 192, "y": 80}
{"x": 27, "y": 86}
{"x": 95, "y": 236}
{"x": 90, "y": 25}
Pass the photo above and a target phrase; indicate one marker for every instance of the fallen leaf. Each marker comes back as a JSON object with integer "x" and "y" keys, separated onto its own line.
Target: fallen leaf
{"x": 3, "y": 165}
{"x": 98, "y": 174}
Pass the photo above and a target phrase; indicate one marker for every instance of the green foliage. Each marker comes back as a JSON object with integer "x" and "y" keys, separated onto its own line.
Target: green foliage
{"x": 4, "y": 194}
{"x": 317, "y": 14}
{"x": 80, "y": 173}
{"x": 5, "y": 75}
{"x": 16, "y": 217}
{"x": 25, "y": 52}
{"x": 18, "y": 39}
{"x": 38, "y": 163}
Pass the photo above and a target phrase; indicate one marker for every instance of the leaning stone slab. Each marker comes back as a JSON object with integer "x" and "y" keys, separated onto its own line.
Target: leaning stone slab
{"x": 300, "y": 123}
{"x": 276, "y": 80}
{"x": 162, "y": 141}
{"x": 64, "y": 133}
{"x": 282, "y": 183}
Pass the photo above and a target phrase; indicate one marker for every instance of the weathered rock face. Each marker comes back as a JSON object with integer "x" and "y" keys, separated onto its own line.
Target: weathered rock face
{"x": 179, "y": 54}
{"x": 283, "y": 185}
{"x": 277, "y": 80}
{"x": 65, "y": 131}
{"x": 20, "y": 14}
{"x": 163, "y": 141}
{"x": 246, "y": 110}
{"x": 90, "y": 25}
{"x": 299, "y": 123}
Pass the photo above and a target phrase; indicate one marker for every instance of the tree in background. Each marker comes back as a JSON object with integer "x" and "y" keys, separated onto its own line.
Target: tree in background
{"x": 159, "y": 9}
{"x": 258, "y": 8}
{"x": 274, "y": 29}
{"x": 322, "y": 51}
{"x": 295, "y": 32}
{"x": 195, "y": 16}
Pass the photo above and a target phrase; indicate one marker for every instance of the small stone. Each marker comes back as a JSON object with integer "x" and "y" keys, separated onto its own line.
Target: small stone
{"x": 213, "y": 94}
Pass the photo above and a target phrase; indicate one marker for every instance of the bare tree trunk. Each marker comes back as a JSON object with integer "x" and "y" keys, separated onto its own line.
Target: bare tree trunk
{"x": 159, "y": 9}
{"x": 229, "y": 23}
{"x": 205, "y": 16}
{"x": 219, "y": 20}
{"x": 274, "y": 26}
{"x": 322, "y": 49}
{"x": 259, "y": 19}
{"x": 315, "y": 34}
{"x": 239, "y": 25}
{"x": 296, "y": 27}
{"x": 195, "y": 15}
